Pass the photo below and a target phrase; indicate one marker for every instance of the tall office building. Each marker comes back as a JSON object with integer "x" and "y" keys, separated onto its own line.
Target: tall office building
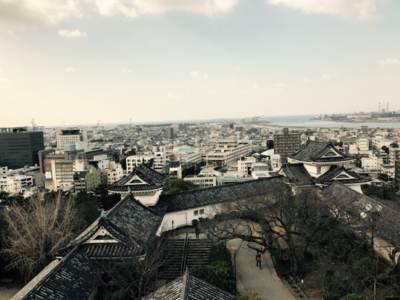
{"x": 397, "y": 174}
{"x": 65, "y": 136}
{"x": 19, "y": 148}
{"x": 364, "y": 129}
{"x": 182, "y": 127}
{"x": 286, "y": 143}
{"x": 169, "y": 131}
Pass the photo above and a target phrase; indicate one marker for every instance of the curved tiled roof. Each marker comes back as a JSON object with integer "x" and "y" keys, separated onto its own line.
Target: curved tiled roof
{"x": 189, "y": 287}
{"x": 334, "y": 171}
{"x": 153, "y": 179}
{"x": 314, "y": 151}
{"x": 129, "y": 221}
{"x": 387, "y": 224}
{"x": 297, "y": 174}
{"x": 74, "y": 277}
{"x": 218, "y": 194}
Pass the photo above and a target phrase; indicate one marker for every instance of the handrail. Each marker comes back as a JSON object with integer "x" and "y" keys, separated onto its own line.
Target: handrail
{"x": 183, "y": 265}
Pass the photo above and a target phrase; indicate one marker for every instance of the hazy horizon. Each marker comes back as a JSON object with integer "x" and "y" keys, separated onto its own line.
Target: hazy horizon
{"x": 79, "y": 62}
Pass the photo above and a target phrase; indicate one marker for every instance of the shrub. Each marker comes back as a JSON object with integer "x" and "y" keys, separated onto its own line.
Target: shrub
{"x": 249, "y": 295}
{"x": 335, "y": 287}
{"x": 364, "y": 265}
{"x": 219, "y": 274}
{"x": 353, "y": 297}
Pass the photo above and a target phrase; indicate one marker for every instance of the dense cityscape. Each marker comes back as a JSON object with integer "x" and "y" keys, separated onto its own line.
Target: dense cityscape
{"x": 186, "y": 173}
{"x": 199, "y": 150}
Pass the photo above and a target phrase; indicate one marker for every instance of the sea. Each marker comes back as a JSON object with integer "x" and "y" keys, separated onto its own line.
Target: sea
{"x": 280, "y": 121}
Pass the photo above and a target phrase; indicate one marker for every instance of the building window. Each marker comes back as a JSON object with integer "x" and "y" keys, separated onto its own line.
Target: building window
{"x": 201, "y": 211}
{"x": 196, "y": 213}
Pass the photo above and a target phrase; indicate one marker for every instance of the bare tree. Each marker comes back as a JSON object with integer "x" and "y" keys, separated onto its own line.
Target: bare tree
{"x": 133, "y": 277}
{"x": 36, "y": 231}
{"x": 283, "y": 223}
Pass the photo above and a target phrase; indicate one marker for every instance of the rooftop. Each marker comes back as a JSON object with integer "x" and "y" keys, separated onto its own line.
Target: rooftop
{"x": 189, "y": 287}
{"x": 218, "y": 194}
{"x": 319, "y": 152}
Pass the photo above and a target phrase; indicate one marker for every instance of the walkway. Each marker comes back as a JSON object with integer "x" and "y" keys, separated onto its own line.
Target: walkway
{"x": 251, "y": 278}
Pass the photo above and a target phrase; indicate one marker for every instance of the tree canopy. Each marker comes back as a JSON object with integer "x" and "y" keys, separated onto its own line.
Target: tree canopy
{"x": 177, "y": 186}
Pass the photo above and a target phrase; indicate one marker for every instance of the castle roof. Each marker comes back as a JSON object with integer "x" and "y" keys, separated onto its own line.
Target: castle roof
{"x": 140, "y": 179}
{"x": 218, "y": 194}
{"x": 124, "y": 228}
{"x": 319, "y": 152}
{"x": 189, "y": 287}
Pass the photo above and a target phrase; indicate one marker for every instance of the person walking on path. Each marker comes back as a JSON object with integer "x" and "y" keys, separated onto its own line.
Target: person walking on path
{"x": 258, "y": 259}
{"x": 197, "y": 232}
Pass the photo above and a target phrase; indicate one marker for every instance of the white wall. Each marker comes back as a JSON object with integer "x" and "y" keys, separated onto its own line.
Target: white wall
{"x": 185, "y": 217}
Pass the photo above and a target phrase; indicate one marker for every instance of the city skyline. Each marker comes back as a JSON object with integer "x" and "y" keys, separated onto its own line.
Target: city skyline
{"x": 85, "y": 61}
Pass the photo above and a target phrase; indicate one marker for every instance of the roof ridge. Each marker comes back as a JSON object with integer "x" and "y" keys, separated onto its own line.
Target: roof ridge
{"x": 222, "y": 186}
{"x": 363, "y": 195}
{"x": 116, "y": 207}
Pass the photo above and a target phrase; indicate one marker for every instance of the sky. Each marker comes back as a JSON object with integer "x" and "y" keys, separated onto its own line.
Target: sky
{"x": 84, "y": 61}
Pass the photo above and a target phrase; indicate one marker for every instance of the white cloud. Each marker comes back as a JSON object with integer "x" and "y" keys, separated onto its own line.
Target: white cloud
{"x": 49, "y": 12}
{"x": 389, "y": 61}
{"x": 72, "y": 33}
{"x": 280, "y": 85}
{"x": 198, "y": 75}
{"x": 4, "y": 80}
{"x": 134, "y": 8}
{"x": 126, "y": 71}
{"x": 350, "y": 9}
{"x": 69, "y": 70}
{"x": 328, "y": 76}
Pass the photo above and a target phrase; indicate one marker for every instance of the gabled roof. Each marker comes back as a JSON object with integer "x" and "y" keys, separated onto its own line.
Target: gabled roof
{"x": 129, "y": 221}
{"x": 386, "y": 225}
{"x": 153, "y": 180}
{"x": 296, "y": 173}
{"x": 316, "y": 152}
{"x": 335, "y": 171}
{"x": 189, "y": 287}
{"x": 218, "y": 194}
{"x": 75, "y": 277}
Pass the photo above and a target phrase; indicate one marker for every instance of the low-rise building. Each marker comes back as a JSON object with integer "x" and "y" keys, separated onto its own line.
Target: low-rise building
{"x": 228, "y": 152}
{"x": 202, "y": 181}
{"x": 245, "y": 165}
{"x": 134, "y": 161}
{"x": 175, "y": 170}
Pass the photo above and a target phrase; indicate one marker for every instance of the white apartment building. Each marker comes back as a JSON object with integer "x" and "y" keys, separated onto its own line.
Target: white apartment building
{"x": 160, "y": 158}
{"x": 372, "y": 163}
{"x": 363, "y": 144}
{"x": 70, "y": 136}
{"x": 276, "y": 162}
{"x": 114, "y": 173}
{"x": 228, "y": 152}
{"x": 14, "y": 183}
{"x": 175, "y": 170}
{"x": 136, "y": 160}
{"x": 245, "y": 165}
{"x": 202, "y": 181}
